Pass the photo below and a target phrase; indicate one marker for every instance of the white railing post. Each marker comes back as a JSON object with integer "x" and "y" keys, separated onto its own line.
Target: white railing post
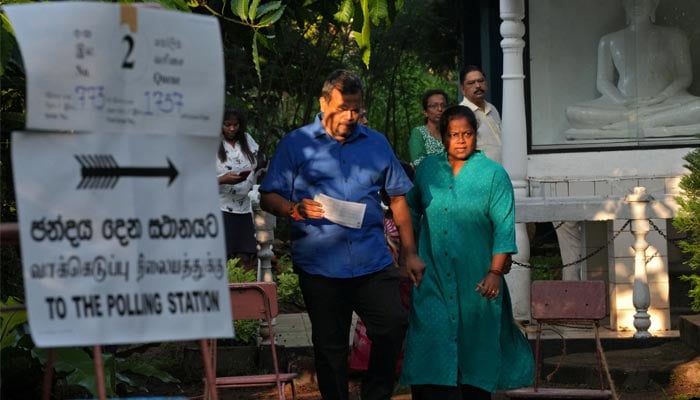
{"x": 514, "y": 136}
{"x": 265, "y": 235}
{"x": 640, "y": 292}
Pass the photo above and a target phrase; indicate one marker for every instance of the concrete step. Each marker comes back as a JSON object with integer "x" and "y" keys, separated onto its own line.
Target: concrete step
{"x": 631, "y": 369}
{"x": 690, "y": 330}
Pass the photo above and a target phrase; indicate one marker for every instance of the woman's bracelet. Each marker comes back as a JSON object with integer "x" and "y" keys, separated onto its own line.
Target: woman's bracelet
{"x": 496, "y": 272}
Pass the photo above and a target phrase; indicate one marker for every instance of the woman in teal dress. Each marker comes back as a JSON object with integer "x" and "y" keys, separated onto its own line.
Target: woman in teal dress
{"x": 425, "y": 139}
{"x": 462, "y": 342}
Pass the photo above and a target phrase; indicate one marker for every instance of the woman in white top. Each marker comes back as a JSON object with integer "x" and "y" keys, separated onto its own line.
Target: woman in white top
{"x": 235, "y": 166}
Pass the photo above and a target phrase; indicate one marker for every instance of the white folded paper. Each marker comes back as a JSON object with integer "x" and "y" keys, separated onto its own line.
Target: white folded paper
{"x": 346, "y": 213}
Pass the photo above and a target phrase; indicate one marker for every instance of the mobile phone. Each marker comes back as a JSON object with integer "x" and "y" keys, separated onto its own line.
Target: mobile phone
{"x": 245, "y": 173}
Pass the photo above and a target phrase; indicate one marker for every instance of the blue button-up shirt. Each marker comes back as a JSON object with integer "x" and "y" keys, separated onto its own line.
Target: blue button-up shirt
{"x": 307, "y": 162}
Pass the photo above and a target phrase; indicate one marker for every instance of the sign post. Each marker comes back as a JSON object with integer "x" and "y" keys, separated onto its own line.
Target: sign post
{"x": 120, "y": 230}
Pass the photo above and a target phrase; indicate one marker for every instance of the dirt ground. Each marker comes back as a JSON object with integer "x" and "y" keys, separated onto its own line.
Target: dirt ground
{"x": 684, "y": 382}
{"x": 307, "y": 390}
{"x": 684, "y": 385}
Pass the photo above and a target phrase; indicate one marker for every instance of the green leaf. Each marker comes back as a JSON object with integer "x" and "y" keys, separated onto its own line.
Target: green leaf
{"x": 256, "y": 56}
{"x": 363, "y": 39}
{"x": 144, "y": 368}
{"x": 345, "y": 12}
{"x": 268, "y": 7}
{"x": 180, "y": 5}
{"x": 237, "y": 273}
{"x": 126, "y": 379}
{"x": 77, "y": 364}
{"x": 6, "y": 24}
{"x": 66, "y": 358}
{"x": 378, "y": 11}
{"x": 253, "y": 9}
{"x": 9, "y": 321}
{"x": 265, "y": 41}
{"x": 84, "y": 376}
{"x": 240, "y": 9}
{"x": 271, "y": 18}
{"x": 6, "y": 38}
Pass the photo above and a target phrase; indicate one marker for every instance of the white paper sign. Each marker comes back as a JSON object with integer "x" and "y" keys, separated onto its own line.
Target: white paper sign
{"x": 119, "y": 68}
{"x": 122, "y": 238}
{"x": 120, "y": 225}
{"x": 346, "y": 213}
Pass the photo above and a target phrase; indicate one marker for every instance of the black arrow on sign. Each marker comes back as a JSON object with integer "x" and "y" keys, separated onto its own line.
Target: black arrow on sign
{"x": 101, "y": 171}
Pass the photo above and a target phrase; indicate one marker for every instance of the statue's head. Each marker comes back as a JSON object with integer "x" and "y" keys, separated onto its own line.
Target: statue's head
{"x": 640, "y": 8}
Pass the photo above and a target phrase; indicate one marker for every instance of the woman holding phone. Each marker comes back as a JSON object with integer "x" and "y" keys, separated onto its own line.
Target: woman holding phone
{"x": 235, "y": 162}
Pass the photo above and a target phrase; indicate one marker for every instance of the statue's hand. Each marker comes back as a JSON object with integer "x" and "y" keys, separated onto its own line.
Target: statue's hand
{"x": 639, "y": 102}
{"x": 658, "y": 99}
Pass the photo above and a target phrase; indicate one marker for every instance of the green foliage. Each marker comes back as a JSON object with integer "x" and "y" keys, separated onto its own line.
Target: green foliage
{"x": 246, "y": 331}
{"x": 256, "y": 17}
{"x": 5, "y": 35}
{"x": 10, "y": 321}
{"x": 236, "y": 273}
{"x": 688, "y": 221}
{"x": 694, "y": 292}
{"x": 74, "y": 364}
{"x": 373, "y": 12}
{"x": 134, "y": 373}
{"x": 288, "y": 289}
{"x": 546, "y": 267}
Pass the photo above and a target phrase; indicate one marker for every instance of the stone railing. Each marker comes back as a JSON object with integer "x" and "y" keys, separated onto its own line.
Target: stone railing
{"x": 627, "y": 280}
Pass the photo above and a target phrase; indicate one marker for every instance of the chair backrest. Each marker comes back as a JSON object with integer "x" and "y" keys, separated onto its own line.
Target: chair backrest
{"x": 249, "y": 299}
{"x": 574, "y": 300}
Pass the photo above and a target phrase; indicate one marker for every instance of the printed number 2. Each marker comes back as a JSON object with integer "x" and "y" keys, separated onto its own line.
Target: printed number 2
{"x": 128, "y": 63}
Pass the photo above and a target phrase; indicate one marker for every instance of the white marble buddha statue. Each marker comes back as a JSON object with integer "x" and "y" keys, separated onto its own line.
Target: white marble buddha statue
{"x": 644, "y": 71}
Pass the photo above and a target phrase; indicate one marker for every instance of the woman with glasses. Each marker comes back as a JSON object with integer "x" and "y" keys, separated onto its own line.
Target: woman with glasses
{"x": 425, "y": 139}
{"x": 236, "y": 162}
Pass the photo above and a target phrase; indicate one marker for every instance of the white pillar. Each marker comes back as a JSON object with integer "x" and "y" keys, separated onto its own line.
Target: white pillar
{"x": 640, "y": 291}
{"x": 514, "y": 136}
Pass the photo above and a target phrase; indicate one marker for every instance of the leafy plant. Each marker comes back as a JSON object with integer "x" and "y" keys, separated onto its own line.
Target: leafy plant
{"x": 236, "y": 272}
{"x": 546, "y": 267}
{"x": 288, "y": 289}
{"x": 688, "y": 221}
{"x": 9, "y": 322}
{"x": 74, "y": 364}
{"x": 246, "y": 330}
{"x": 254, "y": 15}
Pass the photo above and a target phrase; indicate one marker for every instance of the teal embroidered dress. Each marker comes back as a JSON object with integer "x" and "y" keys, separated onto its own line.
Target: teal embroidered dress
{"x": 456, "y": 336}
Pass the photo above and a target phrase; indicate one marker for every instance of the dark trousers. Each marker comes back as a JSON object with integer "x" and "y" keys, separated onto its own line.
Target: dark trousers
{"x": 376, "y": 300}
{"x": 440, "y": 392}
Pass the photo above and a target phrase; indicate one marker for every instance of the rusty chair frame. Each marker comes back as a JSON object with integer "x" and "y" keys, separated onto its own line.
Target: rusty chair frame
{"x": 254, "y": 300}
{"x": 578, "y": 303}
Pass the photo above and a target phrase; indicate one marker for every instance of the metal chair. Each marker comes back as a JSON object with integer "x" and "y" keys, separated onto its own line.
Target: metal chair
{"x": 255, "y": 300}
{"x": 567, "y": 303}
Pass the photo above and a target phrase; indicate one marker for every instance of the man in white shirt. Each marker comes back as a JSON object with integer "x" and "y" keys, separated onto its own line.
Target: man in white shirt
{"x": 474, "y": 89}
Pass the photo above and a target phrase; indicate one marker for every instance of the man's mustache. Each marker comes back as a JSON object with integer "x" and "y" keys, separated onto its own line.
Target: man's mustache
{"x": 478, "y": 91}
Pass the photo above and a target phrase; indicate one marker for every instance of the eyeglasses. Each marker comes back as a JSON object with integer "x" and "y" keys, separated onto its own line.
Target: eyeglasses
{"x": 435, "y": 106}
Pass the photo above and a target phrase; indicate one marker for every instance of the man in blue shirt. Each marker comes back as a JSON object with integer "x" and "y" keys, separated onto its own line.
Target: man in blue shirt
{"x": 344, "y": 269}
